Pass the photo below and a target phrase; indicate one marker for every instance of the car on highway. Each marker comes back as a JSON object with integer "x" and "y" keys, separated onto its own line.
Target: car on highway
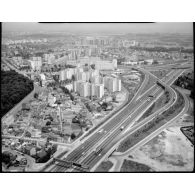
{"x": 122, "y": 127}
{"x": 100, "y": 131}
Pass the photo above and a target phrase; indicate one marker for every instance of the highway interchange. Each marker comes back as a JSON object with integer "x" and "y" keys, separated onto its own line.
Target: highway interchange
{"x": 105, "y": 139}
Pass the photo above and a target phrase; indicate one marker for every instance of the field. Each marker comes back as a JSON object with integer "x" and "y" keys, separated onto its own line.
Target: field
{"x": 131, "y": 166}
{"x": 159, "y": 73}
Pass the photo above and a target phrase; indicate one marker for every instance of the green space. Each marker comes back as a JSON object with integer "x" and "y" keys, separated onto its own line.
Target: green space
{"x": 186, "y": 81}
{"x": 104, "y": 166}
{"x": 161, "y": 102}
{"x": 188, "y": 132}
{"x": 131, "y": 166}
{"x": 148, "y": 112}
{"x": 151, "y": 126}
{"x": 149, "y": 83}
{"x": 159, "y": 73}
{"x": 14, "y": 87}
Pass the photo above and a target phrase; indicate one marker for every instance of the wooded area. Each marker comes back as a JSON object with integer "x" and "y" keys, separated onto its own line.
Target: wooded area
{"x": 14, "y": 87}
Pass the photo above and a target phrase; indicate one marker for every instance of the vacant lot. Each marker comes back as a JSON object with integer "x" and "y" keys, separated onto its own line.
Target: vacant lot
{"x": 169, "y": 151}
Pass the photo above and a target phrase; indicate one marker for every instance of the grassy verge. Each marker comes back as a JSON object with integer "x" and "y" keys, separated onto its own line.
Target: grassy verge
{"x": 148, "y": 112}
{"x": 104, "y": 166}
{"x": 164, "y": 99}
{"x": 131, "y": 166}
{"x": 151, "y": 126}
{"x": 62, "y": 154}
{"x": 159, "y": 73}
{"x": 149, "y": 84}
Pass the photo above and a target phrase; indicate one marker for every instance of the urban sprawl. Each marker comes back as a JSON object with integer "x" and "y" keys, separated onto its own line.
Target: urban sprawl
{"x": 87, "y": 92}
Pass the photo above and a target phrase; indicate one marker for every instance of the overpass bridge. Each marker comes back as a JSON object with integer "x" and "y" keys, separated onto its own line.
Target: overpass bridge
{"x": 70, "y": 164}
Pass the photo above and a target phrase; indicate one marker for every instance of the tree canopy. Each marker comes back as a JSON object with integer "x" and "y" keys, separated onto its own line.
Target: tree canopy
{"x": 14, "y": 87}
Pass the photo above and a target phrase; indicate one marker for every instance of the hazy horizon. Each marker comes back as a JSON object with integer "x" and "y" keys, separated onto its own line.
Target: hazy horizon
{"x": 121, "y": 28}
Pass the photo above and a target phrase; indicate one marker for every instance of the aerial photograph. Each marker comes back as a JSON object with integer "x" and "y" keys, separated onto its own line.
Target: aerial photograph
{"x": 97, "y": 97}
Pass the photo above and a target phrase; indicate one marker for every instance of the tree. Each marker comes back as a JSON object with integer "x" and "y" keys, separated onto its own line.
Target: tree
{"x": 72, "y": 136}
{"x": 114, "y": 98}
{"x": 93, "y": 66}
{"x": 71, "y": 97}
{"x": 48, "y": 123}
{"x": 18, "y": 85}
{"x": 65, "y": 90}
{"x": 28, "y": 134}
{"x": 99, "y": 109}
{"x": 73, "y": 78}
{"x": 54, "y": 148}
{"x": 6, "y": 158}
{"x": 192, "y": 93}
{"x": 36, "y": 95}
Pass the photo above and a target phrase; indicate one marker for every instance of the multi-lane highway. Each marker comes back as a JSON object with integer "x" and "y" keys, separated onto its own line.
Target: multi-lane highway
{"x": 109, "y": 125}
{"x": 116, "y": 136}
{"x": 98, "y": 144}
{"x": 113, "y": 144}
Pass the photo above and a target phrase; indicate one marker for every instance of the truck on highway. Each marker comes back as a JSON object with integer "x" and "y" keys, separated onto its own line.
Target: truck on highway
{"x": 159, "y": 84}
{"x": 98, "y": 151}
{"x": 81, "y": 166}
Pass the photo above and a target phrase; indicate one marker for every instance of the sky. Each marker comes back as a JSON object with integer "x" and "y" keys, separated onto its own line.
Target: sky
{"x": 107, "y": 28}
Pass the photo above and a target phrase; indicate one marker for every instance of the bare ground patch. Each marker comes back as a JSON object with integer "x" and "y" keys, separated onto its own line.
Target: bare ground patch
{"x": 169, "y": 151}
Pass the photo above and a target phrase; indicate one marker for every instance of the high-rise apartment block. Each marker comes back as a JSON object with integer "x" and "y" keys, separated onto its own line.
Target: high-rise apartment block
{"x": 112, "y": 84}
{"x": 66, "y": 74}
{"x": 99, "y": 90}
{"x": 88, "y": 82}
{"x": 36, "y": 63}
{"x": 84, "y": 89}
{"x": 49, "y": 58}
{"x": 82, "y": 76}
{"x": 92, "y": 89}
